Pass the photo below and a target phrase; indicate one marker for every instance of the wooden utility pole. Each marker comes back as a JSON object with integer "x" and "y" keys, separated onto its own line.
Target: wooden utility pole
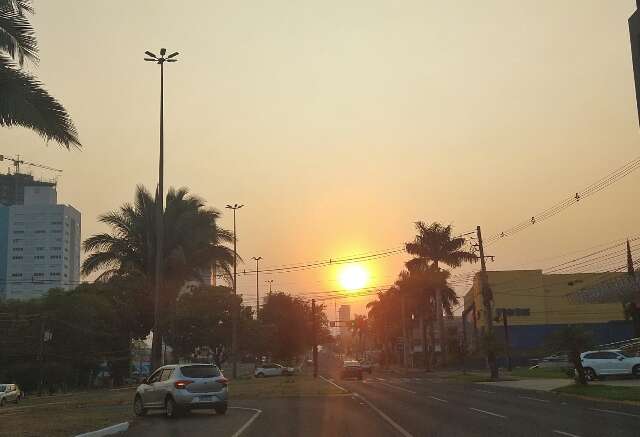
{"x": 487, "y": 298}
{"x": 314, "y": 337}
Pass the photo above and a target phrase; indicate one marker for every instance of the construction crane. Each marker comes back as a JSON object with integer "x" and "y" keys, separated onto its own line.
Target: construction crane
{"x": 17, "y": 162}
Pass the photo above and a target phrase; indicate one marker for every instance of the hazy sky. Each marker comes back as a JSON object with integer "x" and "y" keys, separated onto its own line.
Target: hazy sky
{"x": 340, "y": 123}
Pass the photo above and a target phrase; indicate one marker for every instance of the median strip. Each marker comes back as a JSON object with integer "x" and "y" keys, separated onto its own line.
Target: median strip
{"x": 488, "y": 412}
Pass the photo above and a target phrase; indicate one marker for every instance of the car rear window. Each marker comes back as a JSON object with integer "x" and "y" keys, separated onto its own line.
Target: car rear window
{"x": 200, "y": 371}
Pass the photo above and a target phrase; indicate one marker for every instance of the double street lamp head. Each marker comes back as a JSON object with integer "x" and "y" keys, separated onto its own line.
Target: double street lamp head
{"x": 234, "y": 206}
{"x": 161, "y": 59}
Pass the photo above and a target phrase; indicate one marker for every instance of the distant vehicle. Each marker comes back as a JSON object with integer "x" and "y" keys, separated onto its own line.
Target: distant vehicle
{"x": 351, "y": 369}
{"x": 9, "y": 393}
{"x": 272, "y": 369}
{"x": 367, "y": 366}
{"x": 182, "y": 387}
{"x": 609, "y": 362}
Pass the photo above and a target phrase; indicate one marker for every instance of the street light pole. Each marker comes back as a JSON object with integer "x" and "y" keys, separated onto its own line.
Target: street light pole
{"x": 257, "y": 285}
{"x": 234, "y": 318}
{"x": 270, "y": 282}
{"x": 156, "y": 349}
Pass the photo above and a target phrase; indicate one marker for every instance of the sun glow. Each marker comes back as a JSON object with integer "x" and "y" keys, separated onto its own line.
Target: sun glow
{"x": 354, "y": 277}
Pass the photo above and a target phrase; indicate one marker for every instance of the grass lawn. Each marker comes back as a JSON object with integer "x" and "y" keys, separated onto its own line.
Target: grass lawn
{"x": 298, "y": 385}
{"x": 67, "y": 415}
{"x": 610, "y": 392}
{"x": 539, "y": 372}
{"x": 469, "y": 377}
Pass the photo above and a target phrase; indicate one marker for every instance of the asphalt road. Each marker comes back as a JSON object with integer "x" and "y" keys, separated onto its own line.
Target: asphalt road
{"x": 387, "y": 405}
{"x": 433, "y": 407}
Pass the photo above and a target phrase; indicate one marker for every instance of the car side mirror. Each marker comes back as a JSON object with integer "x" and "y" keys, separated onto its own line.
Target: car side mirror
{"x": 620, "y": 358}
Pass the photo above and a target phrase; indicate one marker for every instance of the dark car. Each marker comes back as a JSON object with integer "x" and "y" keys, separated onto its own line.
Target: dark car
{"x": 351, "y": 369}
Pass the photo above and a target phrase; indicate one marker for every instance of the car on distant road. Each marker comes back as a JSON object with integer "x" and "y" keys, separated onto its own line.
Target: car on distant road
{"x": 9, "y": 393}
{"x": 351, "y": 369}
{"x": 180, "y": 388}
{"x": 272, "y": 369}
{"x": 609, "y": 362}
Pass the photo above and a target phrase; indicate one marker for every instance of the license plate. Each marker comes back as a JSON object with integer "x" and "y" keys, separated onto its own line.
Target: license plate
{"x": 205, "y": 399}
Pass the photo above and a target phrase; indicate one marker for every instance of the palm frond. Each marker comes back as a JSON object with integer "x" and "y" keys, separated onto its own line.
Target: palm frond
{"x": 24, "y": 102}
{"x": 17, "y": 37}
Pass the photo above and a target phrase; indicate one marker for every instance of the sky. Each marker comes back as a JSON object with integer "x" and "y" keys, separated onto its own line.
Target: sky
{"x": 338, "y": 124}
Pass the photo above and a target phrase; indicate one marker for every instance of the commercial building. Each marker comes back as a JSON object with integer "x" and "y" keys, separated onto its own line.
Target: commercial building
{"x": 344, "y": 315}
{"x": 12, "y": 187}
{"x": 537, "y": 304}
{"x": 39, "y": 245}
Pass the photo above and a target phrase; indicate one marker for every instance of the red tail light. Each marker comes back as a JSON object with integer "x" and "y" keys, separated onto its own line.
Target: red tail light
{"x": 182, "y": 384}
{"x": 223, "y": 381}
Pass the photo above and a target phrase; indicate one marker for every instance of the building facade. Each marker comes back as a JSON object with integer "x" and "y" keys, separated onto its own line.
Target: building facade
{"x": 39, "y": 245}
{"x": 537, "y": 304}
{"x": 344, "y": 315}
{"x": 12, "y": 187}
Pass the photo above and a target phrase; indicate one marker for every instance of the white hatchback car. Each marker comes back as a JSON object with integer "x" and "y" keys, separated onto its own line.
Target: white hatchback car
{"x": 609, "y": 362}
{"x": 272, "y": 370}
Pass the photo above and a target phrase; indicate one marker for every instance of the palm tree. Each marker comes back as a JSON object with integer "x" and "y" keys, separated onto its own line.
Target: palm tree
{"x": 193, "y": 244}
{"x": 433, "y": 245}
{"x": 384, "y": 315}
{"x": 23, "y": 100}
{"x": 574, "y": 340}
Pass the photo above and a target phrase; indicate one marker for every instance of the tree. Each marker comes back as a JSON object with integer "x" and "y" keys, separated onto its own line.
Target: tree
{"x": 574, "y": 340}
{"x": 433, "y": 245}
{"x": 193, "y": 245}
{"x": 385, "y": 321}
{"x": 23, "y": 100}
{"x": 360, "y": 329}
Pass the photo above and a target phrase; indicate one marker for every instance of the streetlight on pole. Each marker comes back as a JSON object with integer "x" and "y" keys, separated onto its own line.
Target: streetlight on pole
{"x": 270, "y": 282}
{"x": 156, "y": 348}
{"x": 234, "y": 319}
{"x": 257, "y": 284}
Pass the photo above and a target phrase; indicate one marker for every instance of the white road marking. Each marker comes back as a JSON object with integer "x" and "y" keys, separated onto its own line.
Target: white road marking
{"x": 380, "y": 379}
{"x": 534, "y": 399}
{"x": 484, "y": 391}
{"x": 389, "y": 420}
{"x": 615, "y": 412}
{"x": 248, "y": 422}
{"x": 488, "y": 412}
{"x": 397, "y": 388}
{"x": 565, "y": 433}
{"x": 333, "y": 383}
{"x": 438, "y": 399}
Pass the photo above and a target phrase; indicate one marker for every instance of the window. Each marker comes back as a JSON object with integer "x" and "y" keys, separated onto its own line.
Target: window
{"x": 54, "y": 274}
{"x": 55, "y": 248}
{"x": 18, "y": 223}
{"x": 56, "y": 223}
{"x": 39, "y": 249}
{"x": 16, "y": 257}
{"x": 200, "y": 371}
{"x": 59, "y": 240}
{"x": 609, "y": 356}
{"x": 40, "y": 231}
{"x": 16, "y": 275}
{"x": 18, "y": 232}
{"x": 56, "y": 257}
{"x": 17, "y": 240}
{"x": 166, "y": 374}
{"x": 38, "y": 257}
{"x": 56, "y": 231}
{"x": 155, "y": 377}
{"x": 18, "y": 249}
{"x": 38, "y": 274}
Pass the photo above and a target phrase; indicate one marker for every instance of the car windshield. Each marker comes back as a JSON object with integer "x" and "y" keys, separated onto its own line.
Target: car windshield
{"x": 200, "y": 371}
{"x": 3, "y": 387}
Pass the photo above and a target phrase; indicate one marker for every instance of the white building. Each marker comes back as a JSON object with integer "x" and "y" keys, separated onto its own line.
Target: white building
{"x": 42, "y": 245}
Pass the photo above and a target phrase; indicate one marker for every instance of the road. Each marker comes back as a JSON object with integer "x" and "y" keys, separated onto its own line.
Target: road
{"x": 387, "y": 405}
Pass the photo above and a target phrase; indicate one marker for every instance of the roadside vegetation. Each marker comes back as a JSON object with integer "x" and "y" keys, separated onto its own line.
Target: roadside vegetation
{"x": 597, "y": 391}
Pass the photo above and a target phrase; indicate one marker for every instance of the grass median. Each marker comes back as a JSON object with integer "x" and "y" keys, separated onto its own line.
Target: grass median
{"x": 596, "y": 391}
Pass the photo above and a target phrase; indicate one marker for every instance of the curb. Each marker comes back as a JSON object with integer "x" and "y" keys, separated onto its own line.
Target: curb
{"x": 110, "y": 430}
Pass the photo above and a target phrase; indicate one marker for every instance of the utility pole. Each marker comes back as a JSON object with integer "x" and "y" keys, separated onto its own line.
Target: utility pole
{"x": 270, "y": 281}
{"x": 157, "y": 357}
{"x": 505, "y": 323}
{"x": 236, "y": 304}
{"x": 257, "y": 259}
{"x": 314, "y": 337}
{"x": 405, "y": 358}
{"x": 487, "y": 298}
{"x": 41, "y": 357}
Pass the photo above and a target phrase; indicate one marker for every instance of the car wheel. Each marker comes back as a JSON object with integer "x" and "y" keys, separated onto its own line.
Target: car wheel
{"x": 260, "y": 375}
{"x": 17, "y": 400}
{"x": 171, "y": 409}
{"x": 636, "y": 371}
{"x": 2, "y": 402}
{"x": 138, "y": 406}
{"x": 221, "y": 410}
{"x": 590, "y": 374}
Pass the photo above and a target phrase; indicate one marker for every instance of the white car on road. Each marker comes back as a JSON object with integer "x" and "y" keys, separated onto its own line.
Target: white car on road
{"x": 609, "y": 362}
{"x": 272, "y": 370}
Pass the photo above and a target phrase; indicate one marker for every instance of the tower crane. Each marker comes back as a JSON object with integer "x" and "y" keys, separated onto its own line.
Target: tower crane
{"x": 17, "y": 162}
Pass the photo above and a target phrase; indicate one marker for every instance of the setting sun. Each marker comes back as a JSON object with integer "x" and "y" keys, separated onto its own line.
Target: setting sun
{"x": 353, "y": 277}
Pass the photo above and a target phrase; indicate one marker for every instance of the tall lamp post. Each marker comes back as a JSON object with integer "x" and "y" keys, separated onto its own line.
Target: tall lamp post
{"x": 234, "y": 318}
{"x": 257, "y": 259}
{"x": 156, "y": 347}
{"x": 270, "y": 282}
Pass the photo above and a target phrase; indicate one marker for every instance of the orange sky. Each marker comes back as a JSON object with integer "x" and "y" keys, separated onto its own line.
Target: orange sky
{"x": 339, "y": 123}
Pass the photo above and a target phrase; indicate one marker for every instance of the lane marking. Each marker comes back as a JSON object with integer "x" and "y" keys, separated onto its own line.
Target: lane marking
{"x": 380, "y": 379}
{"x": 333, "y": 383}
{"x": 248, "y": 422}
{"x": 484, "y": 391}
{"x": 438, "y": 399}
{"x": 534, "y": 399}
{"x": 488, "y": 412}
{"x": 398, "y": 388}
{"x": 615, "y": 412}
{"x": 565, "y": 433}
{"x": 389, "y": 420}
